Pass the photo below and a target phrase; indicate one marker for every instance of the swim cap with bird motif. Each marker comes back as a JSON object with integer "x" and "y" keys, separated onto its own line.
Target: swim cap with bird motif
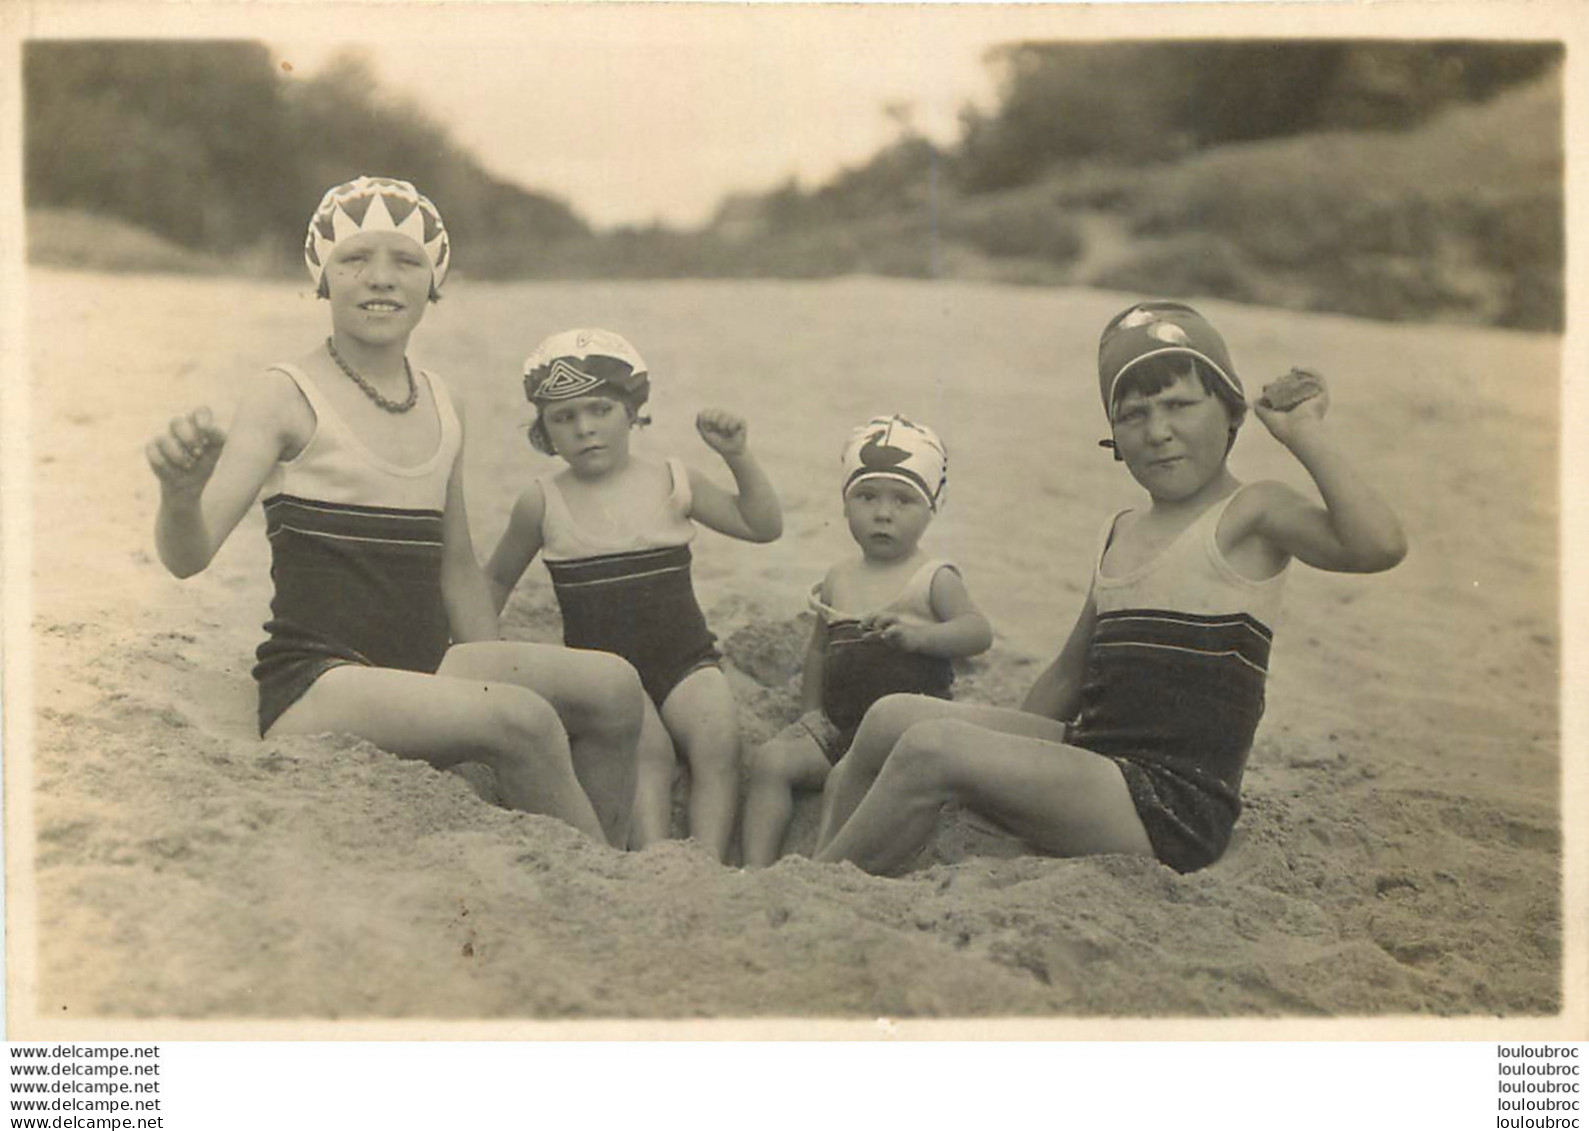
{"x": 892, "y": 447}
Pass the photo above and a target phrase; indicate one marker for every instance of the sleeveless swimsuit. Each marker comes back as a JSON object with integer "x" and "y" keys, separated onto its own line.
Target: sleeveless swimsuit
{"x": 356, "y": 549}
{"x": 1174, "y": 686}
{"x": 859, "y": 669}
{"x": 631, "y": 593}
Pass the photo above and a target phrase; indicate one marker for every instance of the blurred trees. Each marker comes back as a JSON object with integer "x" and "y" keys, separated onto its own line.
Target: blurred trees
{"x": 1375, "y": 186}
{"x": 1391, "y": 178}
{"x": 185, "y": 139}
{"x": 898, "y": 178}
{"x": 1139, "y": 101}
{"x": 205, "y": 144}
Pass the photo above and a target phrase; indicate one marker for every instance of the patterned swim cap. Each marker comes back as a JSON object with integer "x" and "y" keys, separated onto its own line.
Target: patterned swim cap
{"x": 891, "y": 447}
{"x": 582, "y": 363}
{"x": 376, "y": 204}
{"x": 1157, "y": 329}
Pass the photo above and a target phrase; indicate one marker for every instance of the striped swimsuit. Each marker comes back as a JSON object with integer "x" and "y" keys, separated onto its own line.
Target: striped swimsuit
{"x": 356, "y": 550}
{"x": 630, "y": 592}
{"x": 1174, "y": 686}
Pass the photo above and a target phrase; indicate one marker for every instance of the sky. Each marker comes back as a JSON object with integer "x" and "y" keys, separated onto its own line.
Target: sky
{"x": 633, "y": 115}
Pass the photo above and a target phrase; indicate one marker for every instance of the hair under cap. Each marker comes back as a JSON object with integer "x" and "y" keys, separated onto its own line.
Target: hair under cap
{"x": 580, "y": 363}
{"x": 1160, "y": 329}
{"x": 376, "y": 204}
{"x": 892, "y": 447}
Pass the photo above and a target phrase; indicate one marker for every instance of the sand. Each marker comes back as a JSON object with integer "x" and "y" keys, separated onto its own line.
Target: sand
{"x": 1400, "y": 852}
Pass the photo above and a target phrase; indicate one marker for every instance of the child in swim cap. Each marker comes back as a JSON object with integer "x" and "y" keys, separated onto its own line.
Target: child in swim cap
{"x": 1135, "y": 738}
{"x": 614, "y": 529}
{"x": 381, "y": 622}
{"x": 889, "y": 620}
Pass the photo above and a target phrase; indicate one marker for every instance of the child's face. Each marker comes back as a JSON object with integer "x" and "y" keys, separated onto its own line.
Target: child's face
{"x": 887, "y": 518}
{"x": 378, "y": 283}
{"x": 590, "y": 433}
{"x": 1173, "y": 442}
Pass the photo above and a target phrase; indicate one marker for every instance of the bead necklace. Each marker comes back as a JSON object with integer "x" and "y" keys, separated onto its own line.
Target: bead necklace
{"x": 370, "y": 390}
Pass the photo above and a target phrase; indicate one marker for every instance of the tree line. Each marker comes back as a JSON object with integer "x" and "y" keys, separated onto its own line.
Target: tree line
{"x": 1141, "y": 102}
{"x": 207, "y": 144}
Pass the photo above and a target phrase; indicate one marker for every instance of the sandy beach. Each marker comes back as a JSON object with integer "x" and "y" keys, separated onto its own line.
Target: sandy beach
{"x": 1400, "y": 851}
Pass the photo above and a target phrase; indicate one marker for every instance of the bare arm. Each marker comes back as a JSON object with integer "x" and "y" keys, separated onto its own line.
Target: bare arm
{"x": 463, "y": 586}
{"x": 1355, "y": 531}
{"x": 519, "y": 544}
{"x": 1057, "y": 692}
{"x": 209, "y": 477}
{"x": 752, "y": 513}
{"x": 961, "y": 630}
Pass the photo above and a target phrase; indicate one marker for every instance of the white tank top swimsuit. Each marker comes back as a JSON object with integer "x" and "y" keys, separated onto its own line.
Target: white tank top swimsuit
{"x": 356, "y": 550}
{"x": 1174, "y": 685}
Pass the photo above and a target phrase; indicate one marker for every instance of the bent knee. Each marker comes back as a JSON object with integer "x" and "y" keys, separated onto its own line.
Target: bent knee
{"x": 897, "y": 713}
{"x": 475, "y": 660}
{"x": 773, "y": 762}
{"x": 935, "y": 751}
{"x": 611, "y": 698}
{"x": 519, "y": 723}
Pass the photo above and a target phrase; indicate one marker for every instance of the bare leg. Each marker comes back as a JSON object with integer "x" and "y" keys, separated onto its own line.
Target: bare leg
{"x": 598, "y": 698}
{"x": 885, "y": 723}
{"x": 700, "y": 715}
{"x": 1063, "y": 799}
{"x": 445, "y": 721}
{"x": 653, "y": 799}
{"x": 777, "y": 768}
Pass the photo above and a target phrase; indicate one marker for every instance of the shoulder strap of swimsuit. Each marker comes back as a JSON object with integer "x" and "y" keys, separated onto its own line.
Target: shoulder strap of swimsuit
{"x": 1205, "y": 527}
{"x": 1210, "y": 541}
{"x": 556, "y": 519}
{"x": 918, "y": 590}
{"x": 681, "y": 496}
{"x": 326, "y": 416}
{"x": 1213, "y": 514}
{"x": 446, "y": 410}
{"x": 817, "y": 605}
{"x": 1106, "y": 536}
{"x": 306, "y": 385}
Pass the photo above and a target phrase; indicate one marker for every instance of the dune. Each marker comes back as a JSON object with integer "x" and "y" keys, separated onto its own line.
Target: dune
{"x": 1400, "y": 852}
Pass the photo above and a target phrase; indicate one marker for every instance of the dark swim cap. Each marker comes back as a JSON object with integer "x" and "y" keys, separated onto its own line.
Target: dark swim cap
{"x": 1161, "y": 329}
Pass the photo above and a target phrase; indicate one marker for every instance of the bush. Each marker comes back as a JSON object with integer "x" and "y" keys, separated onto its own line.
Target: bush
{"x": 1030, "y": 228}
{"x": 1138, "y": 101}
{"x": 1535, "y": 299}
{"x": 204, "y": 144}
{"x": 1396, "y": 286}
{"x": 1198, "y": 265}
{"x": 1463, "y": 217}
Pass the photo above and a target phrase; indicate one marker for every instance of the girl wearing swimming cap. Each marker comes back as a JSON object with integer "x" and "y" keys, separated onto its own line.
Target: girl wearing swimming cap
{"x": 381, "y": 621}
{"x": 1135, "y": 738}
{"x": 376, "y": 204}
{"x": 890, "y": 620}
{"x": 614, "y": 529}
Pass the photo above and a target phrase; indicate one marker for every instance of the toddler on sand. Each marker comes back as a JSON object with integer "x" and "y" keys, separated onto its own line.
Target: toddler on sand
{"x": 889, "y": 620}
